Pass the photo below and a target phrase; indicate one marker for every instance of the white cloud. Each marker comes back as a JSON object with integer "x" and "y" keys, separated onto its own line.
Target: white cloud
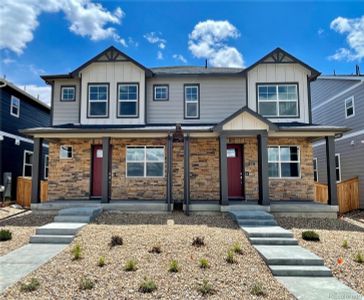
{"x": 41, "y": 92}
{"x": 155, "y": 38}
{"x": 159, "y": 55}
{"x": 180, "y": 57}
{"x": 19, "y": 19}
{"x": 354, "y": 31}
{"x": 320, "y": 31}
{"x": 208, "y": 40}
{"x": 8, "y": 61}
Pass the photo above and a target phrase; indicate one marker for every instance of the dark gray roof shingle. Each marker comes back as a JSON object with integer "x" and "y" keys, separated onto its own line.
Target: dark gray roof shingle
{"x": 188, "y": 70}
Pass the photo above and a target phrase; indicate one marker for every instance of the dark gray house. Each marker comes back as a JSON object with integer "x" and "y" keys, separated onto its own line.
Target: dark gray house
{"x": 339, "y": 100}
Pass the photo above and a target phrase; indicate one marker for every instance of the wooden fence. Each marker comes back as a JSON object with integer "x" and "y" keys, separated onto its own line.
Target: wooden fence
{"x": 347, "y": 194}
{"x": 24, "y": 191}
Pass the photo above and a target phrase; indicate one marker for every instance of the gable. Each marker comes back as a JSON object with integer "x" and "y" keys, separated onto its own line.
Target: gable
{"x": 245, "y": 121}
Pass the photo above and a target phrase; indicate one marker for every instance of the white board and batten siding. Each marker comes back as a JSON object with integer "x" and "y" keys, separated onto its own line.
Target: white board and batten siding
{"x": 112, "y": 73}
{"x": 280, "y": 73}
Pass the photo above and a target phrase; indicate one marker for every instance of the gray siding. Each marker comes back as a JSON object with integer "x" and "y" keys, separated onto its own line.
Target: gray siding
{"x": 219, "y": 98}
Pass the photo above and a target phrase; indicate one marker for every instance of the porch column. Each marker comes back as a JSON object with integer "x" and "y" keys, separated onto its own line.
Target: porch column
{"x": 106, "y": 160}
{"x": 186, "y": 147}
{"x": 36, "y": 169}
{"x": 169, "y": 170}
{"x": 224, "y": 198}
{"x": 331, "y": 170}
{"x": 263, "y": 169}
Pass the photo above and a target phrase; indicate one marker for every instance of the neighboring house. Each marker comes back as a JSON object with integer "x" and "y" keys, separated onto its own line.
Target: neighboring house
{"x": 339, "y": 100}
{"x": 19, "y": 110}
{"x": 122, "y": 131}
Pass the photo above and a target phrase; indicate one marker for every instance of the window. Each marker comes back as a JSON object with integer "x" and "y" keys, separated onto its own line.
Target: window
{"x": 68, "y": 93}
{"x": 66, "y": 152}
{"x": 98, "y": 98}
{"x": 192, "y": 99}
{"x": 46, "y": 163}
{"x": 14, "y": 106}
{"x": 278, "y": 100}
{"x": 128, "y": 100}
{"x": 161, "y": 93}
{"x": 338, "y": 167}
{"x": 27, "y": 163}
{"x": 315, "y": 169}
{"x": 145, "y": 161}
{"x": 284, "y": 161}
{"x": 349, "y": 107}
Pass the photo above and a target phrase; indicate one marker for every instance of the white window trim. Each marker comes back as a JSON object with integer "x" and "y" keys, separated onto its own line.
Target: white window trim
{"x": 128, "y": 100}
{"x": 26, "y": 164}
{"x": 145, "y": 161}
{"x": 339, "y": 167}
{"x": 11, "y": 107}
{"x": 315, "y": 170}
{"x": 346, "y": 108}
{"x": 277, "y": 101}
{"x": 74, "y": 93}
{"x": 290, "y": 161}
{"x": 192, "y": 101}
{"x": 155, "y": 92}
{"x": 46, "y": 166}
{"x": 65, "y": 158}
{"x": 98, "y": 101}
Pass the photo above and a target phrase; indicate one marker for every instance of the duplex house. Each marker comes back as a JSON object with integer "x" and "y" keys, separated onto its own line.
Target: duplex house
{"x": 339, "y": 100}
{"x": 191, "y": 135}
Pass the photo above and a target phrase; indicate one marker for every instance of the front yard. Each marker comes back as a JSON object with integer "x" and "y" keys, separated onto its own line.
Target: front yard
{"x": 244, "y": 278}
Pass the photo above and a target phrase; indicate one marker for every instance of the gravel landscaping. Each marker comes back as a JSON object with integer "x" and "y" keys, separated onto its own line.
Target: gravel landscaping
{"x": 333, "y": 233}
{"x": 61, "y": 277}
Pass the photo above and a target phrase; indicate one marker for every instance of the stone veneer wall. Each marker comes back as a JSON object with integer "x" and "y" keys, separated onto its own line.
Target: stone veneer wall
{"x": 204, "y": 169}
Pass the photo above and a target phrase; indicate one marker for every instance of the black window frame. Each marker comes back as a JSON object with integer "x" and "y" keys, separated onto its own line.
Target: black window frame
{"x": 185, "y": 103}
{"x": 107, "y": 102}
{"x": 118, "y": 101}
{"x": 159, "y": 86}
{"x": 16, "y": 115}
{"x": 68, "y": 87}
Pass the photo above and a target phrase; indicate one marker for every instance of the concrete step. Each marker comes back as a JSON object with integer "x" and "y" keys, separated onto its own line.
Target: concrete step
{"x": 51, "y": 239}
{"x": 273, "y": 241}
{"x": 256, "y": 214}
{"x": 244, "y": 207}
{"x": 72, "y": 219}
{"x": 314, "y": 271}
{"x": 80, "y": 211}
{"x": 60, "y": 228}
{"x": 266, "y": 231}
{"x": 257, "y": 222}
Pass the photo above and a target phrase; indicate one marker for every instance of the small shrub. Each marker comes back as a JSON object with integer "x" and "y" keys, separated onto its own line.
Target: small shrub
{"x": 116, "y": 240}
{"x": 345, "y": 244}
{"x": 257, "y": 289}
{"x": 230, "y": 257}
{"x": 5, "y": 235}
{"x": 198, "y": 241}
{"x": 173, "y": 266}
{"x": 31, "y": 286}
{"x": 206, "y": 288}
{"x": 86, "y": 284}
{"x": 76, "y": 252}
{"x": 359, "y": 257}
{"x": 204, "y": 263}
{"x": 155, "y": 249}
{"x": 101, "y": 261}
{"x": 310, "y": 236}
{"x": 236, "y": 248}
{"x": 147, "y": 286}
{"x": 130, "y": 266}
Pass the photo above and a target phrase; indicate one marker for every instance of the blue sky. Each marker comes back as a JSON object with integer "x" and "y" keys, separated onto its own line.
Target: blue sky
{"x": 60, "y": 35}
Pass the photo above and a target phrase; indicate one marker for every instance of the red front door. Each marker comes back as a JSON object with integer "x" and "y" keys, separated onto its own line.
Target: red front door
{"x": 235, "y": 171}
{"x": 96, "y": 171}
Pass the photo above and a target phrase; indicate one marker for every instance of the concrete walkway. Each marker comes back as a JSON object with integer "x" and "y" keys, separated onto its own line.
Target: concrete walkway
{"x": 299, "y": 270}
{"x": 48, "y": 241}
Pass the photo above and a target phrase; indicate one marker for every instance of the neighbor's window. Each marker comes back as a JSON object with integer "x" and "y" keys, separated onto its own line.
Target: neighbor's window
{"x": 192, "y": 98}
{"x": 68, "y": 93}
{"x": 284, "y": 161}
{"x": 98, "y": 98}
{"x": 278, "y": 100}
{"x": 315, "y": 169}
{"x": 66, "y": 152}
{"x": 338, "y": 167}
{"x": 128, "y": 100}
{"x": 160, "y": 93}
{"x": 349, "y": 107}
{"x": 14, "y": 106}
{"x": 145, "y": 161}
{"x": 46, "y": 163}
{"x": 27, "y": 163}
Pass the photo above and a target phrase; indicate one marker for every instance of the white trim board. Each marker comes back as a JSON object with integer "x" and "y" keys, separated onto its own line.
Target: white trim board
{"x": 18, "y": 137}
{"x": 344, "y": 137}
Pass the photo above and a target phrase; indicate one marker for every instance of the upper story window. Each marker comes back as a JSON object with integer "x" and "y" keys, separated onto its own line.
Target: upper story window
{"x": 15, "y": 106}
{"x": 27, "y": 163}
{"x": 128, "y": 95}
{"x": 68, "y": 93}
{"x": 161, "y": 92}
{"x": 349, "y": 107}
{"x": 66, "y": 152}
{"x": 315, "y": 169}
{"x": 192, "y": 101}
{"x": 284, "y": 161}
{"x": 98, "y": 100}
{"x": 278, "y": 100}
{"x": 145, "y": 161}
